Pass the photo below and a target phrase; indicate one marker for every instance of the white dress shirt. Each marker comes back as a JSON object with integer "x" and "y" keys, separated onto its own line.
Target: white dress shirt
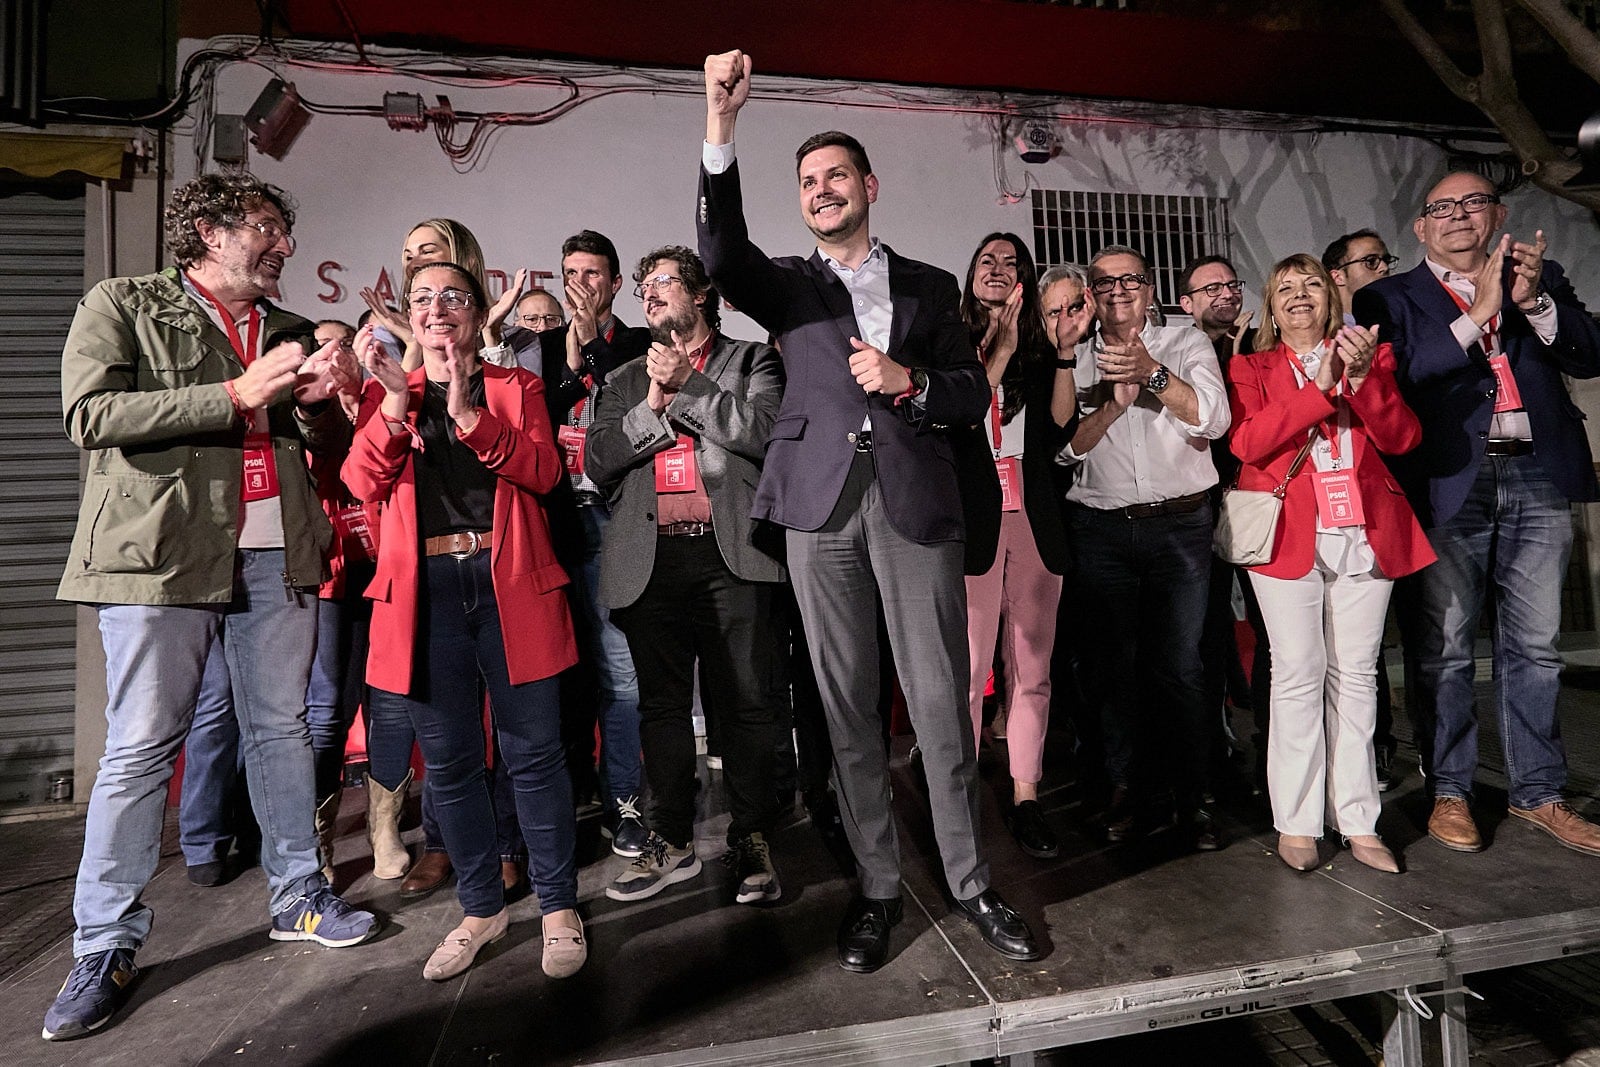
{"x": 1149, "y": 454}
{"x": 1506, "y": 425}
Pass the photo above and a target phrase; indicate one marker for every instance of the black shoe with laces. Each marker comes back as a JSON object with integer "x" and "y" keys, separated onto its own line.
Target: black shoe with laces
{"x": 1032, "y": 834}
{"x": 750, "y": 859}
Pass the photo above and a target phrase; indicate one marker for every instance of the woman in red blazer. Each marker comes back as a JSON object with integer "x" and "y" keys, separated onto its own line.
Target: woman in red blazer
{"x": 468, "y": 588}
{"x": 1345, "y": 534}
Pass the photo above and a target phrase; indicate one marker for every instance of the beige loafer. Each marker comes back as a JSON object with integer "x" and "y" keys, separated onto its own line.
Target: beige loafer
{"x": 565, "y": 950}
{"x": 460, "y": 947}
{"x": 1370, "y": 850}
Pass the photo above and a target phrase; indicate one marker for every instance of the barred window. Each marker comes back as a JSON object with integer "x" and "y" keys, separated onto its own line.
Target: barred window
{"x": 1071, "y": 226}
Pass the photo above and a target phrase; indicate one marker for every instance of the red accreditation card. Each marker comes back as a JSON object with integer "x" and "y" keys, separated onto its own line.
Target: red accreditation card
{"x": 1507, "y": 396}
{"x": 356, "y": 533}
{"x": 570, "y": 438}
{"x": 260, "y": 468}
{"x": 676, "y": 471}
{"x": 1010, "y": 472}
{"x": 1338, "y": 499}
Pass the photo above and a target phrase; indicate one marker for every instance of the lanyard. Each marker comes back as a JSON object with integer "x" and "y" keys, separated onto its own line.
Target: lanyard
{"x": 1328, "y": 428}
{"x": 588, "y": 379}
{"x": 245, "y": 350}
{"x": 1491, "y": 330}
{"x": 994, "y": 422}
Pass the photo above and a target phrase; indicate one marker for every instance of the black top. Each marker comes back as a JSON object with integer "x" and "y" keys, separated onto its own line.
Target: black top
{"x": 455, "y": 491}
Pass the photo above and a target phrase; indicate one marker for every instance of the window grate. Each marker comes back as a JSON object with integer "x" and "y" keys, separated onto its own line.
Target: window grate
{"x": 1071, "y": 226}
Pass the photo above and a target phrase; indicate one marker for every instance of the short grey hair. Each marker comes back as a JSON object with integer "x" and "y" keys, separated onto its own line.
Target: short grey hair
{"x": 1065, "y": 272}
{"x": 1123, "y": 250}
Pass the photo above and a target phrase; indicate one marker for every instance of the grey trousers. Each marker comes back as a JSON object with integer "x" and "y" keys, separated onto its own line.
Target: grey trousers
{"x": 838, "y": 571}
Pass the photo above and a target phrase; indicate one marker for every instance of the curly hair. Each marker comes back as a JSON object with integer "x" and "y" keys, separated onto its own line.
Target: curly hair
{"x": 695, "y": 279}
{"x": 221, "y": 200}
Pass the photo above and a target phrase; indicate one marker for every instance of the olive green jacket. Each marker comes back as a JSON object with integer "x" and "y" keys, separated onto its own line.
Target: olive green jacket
{"x": 142, "y": 390}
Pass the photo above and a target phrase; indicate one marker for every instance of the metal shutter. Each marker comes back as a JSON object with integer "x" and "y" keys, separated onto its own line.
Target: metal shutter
{"x": 41, "y": 279}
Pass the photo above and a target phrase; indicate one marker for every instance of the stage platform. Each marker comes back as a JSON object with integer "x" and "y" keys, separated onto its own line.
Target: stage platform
{"x": 1143, "y": 938}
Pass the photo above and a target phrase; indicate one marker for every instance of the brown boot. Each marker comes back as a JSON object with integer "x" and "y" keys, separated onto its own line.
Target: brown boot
{"x": 1561, "y": 822}
{"x": 389, "y": 856}
{"x": 429, "y": 873}
{"x": 1451, "y": 825}
{"x": 327, "y": 816}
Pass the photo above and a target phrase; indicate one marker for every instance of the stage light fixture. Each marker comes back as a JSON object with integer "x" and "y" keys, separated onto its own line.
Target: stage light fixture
{"x": 276, "y": 118}
{"x": 1588, "y": 155}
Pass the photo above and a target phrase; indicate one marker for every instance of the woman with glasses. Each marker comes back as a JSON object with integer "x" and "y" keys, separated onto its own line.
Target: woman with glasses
{"x": 1315, "y": 407}
{"x": 467, "y": 588}
{"x": 1025, "y": 329}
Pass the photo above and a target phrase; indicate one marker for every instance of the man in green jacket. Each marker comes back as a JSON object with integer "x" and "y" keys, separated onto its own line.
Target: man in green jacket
{"x": 195, "y": 398}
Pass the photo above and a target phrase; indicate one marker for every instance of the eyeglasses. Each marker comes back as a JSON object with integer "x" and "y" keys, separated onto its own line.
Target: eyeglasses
{"x": 1214, "y": 290}
{"x": 1128, "y": 282}
{"x": 1372, "y": 262}
{"x": 271, "y": 231}
{"x": 659, "y": 284}
{"x": 543, "y": 322}
{"x": 452, "y": 299}
{"x": 1444, "y": 209}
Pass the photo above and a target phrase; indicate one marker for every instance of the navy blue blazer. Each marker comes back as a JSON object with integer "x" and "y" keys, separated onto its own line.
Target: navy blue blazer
{"x": 1452, "y": 391}
{"x": 807, "y": 309}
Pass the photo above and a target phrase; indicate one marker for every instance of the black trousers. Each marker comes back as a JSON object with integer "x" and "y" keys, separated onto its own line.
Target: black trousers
{"x": 695, "y": 608}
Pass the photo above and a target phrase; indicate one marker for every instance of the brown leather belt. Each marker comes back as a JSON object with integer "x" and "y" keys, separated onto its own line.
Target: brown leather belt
{"x": 459, "y": 545}
{"x": 1178, "y": 505}
{"x": 684, "y": 529}
{"x": 1508, "y": 447}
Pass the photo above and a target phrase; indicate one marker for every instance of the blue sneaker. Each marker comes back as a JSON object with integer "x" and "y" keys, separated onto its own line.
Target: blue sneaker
{"x": 90, "y": 995}
{"x": 325, "y": 919}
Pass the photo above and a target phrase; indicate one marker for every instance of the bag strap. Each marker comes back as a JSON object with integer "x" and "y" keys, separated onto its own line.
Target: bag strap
{"x": 1299, "y": 461}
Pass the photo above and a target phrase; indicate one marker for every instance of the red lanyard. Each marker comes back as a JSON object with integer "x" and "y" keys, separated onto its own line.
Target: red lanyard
{"x": 1491, "y": 331}
{"x": 588, "y": 379}
{"x": 245, "y": 350}
{"x": 994, "y": 421}
{"x": 1329, "y": 428}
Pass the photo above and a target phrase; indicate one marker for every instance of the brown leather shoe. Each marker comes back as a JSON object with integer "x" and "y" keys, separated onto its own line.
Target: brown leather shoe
{"x": 1451, "y": 825}
{"x": 1565, "y": 825}
{"x": 427, "y": 874}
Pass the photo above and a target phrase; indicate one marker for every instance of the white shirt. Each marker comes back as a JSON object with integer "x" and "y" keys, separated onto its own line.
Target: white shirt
{"x": 1506, "y": 425}
{"x": 1011, "y": 433}
{"x": 1149, "y": 454}
{"x": 1343, "y": 549}
{"x": 260, "y": 521}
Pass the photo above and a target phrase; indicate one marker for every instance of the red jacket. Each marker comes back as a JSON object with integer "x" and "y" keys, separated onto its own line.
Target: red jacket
{"x": 1271, "y": 414}
{"x": 513, "y": 439}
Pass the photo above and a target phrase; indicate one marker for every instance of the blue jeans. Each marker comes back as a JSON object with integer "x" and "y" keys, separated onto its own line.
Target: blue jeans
{"x": 1514, "y": 530}
{"x": 605, "y": 646}
{"x": 214, "y": 805}
{"x": 1142, "y": 586}
{"x": 464, "y": 642}
{"x": 155, "y": 661}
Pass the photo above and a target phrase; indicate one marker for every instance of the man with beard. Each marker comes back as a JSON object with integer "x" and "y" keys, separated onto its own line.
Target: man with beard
{"x": 195, "y": 398}
{"x": 860, "y": 472}
{"x": 677, "y": 443}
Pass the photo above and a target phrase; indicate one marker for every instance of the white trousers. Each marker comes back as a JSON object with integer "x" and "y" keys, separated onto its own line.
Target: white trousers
{"x": 1325, "y": 630}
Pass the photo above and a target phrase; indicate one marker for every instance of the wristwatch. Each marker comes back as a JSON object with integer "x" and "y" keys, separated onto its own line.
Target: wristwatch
{"x": 919, "y": 381}
{"x": 1159, "y": 380}
{"x": 1541, "y": 304}
{"x": 1066, "y": 364}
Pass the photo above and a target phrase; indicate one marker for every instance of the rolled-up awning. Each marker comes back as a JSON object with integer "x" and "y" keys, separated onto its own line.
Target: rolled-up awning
{"x": 45, "y": 155}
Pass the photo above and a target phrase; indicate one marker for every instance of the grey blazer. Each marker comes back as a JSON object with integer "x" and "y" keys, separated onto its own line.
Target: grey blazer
{"x": 729, "y": 410}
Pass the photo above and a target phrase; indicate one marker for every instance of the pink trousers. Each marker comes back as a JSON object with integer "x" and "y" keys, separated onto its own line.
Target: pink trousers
{"x": 1023, "y": 592}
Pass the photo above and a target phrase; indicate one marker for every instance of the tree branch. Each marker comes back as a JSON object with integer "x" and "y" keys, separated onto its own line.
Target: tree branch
{"x": 1581, "y": 46}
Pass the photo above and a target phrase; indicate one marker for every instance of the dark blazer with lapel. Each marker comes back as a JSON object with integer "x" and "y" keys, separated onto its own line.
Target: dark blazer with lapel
{"x": 1272, "y": 411}
{"x": 728, "y": 409}
{"x": 807, "y": 308}
{"x": 1452, "y": 391}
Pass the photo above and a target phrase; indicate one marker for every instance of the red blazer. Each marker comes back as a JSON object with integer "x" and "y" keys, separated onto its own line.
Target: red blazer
{"x": 1271, "y": 414}
{"x": 513, "y": 439}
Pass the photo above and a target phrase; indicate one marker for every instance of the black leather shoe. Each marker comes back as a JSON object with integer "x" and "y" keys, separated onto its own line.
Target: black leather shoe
{"x": 1118, "y": 819}
{"x": 864, "y": 934}
{"x": 1001, "y": 928}
{"x": 207, "y": 875}
{"x": 1204, "y": 832}
{"x": 1033, "y": 835}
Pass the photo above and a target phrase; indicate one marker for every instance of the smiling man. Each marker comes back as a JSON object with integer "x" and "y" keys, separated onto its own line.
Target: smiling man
{"x": 861, "y": 473}
{"x": 677, "y": 443}
{"x": 1139, "y": 520}
{"x": 1483, "y": 329}
{"x": 195, "y": 397}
